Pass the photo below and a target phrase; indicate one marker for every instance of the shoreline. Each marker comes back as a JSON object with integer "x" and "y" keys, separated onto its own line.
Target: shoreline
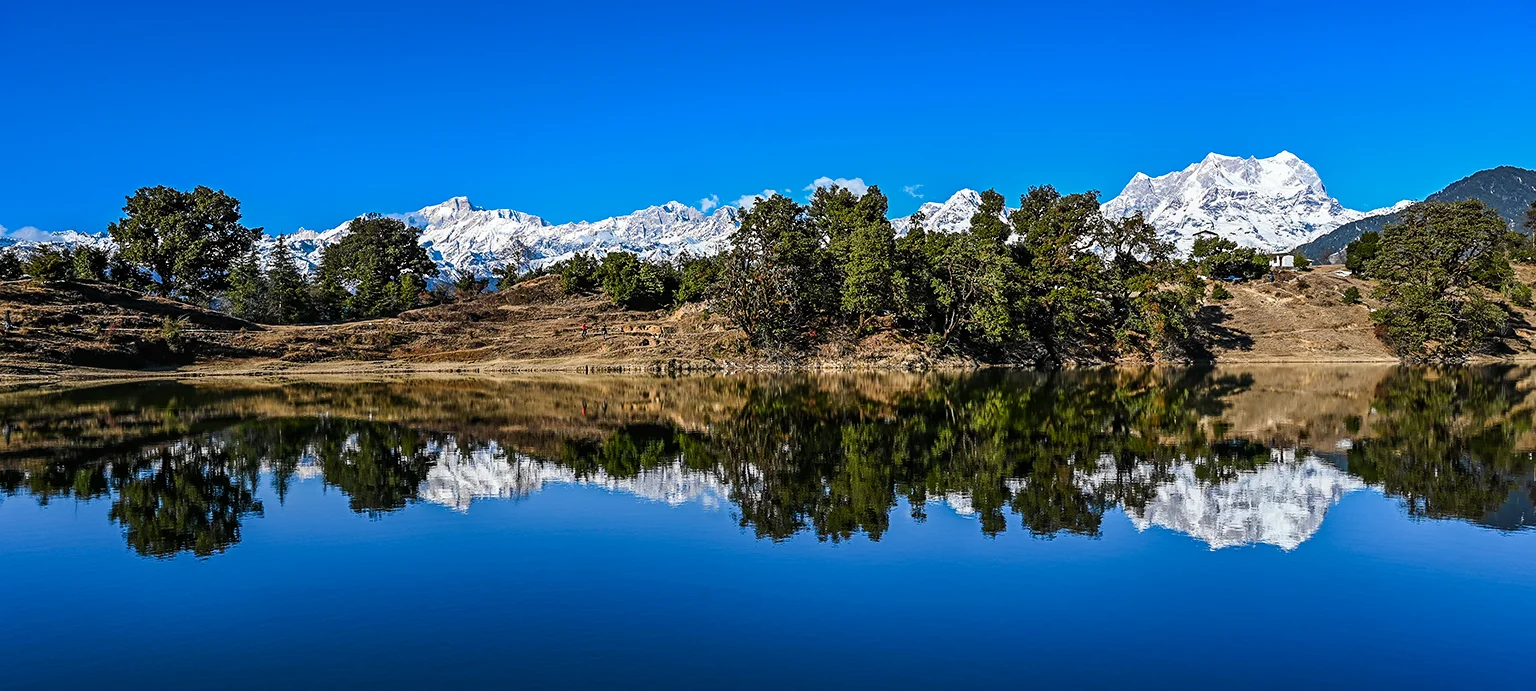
{"x": 14, "y": 373}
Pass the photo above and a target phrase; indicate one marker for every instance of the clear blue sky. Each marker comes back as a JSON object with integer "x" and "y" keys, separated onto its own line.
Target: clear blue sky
{"x": 313, "y": 112}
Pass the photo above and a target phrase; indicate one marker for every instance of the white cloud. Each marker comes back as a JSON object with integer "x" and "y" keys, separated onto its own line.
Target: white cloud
{"x": 709, "y": 202}
{"x": 26, "y": 233}
{"x": 913, "y": 190}
{"x": 855, "y": 185}
{"x": 747, "y": 201}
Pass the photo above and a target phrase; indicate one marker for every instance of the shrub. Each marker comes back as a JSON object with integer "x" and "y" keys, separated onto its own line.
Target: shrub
{"x": 1519, "y": 293}
{"x": 1351, "y": 296}
{"x": 1220, "y": 292}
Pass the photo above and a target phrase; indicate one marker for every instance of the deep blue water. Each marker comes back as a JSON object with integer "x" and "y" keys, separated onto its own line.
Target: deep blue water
{"x": 760, "y": 533}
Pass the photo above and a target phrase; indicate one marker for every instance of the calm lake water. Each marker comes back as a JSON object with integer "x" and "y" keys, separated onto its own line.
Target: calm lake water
{"x": 1335, "y": 527}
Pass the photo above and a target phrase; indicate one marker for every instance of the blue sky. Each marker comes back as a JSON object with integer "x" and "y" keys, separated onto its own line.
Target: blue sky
{"x": 314, "y": 112}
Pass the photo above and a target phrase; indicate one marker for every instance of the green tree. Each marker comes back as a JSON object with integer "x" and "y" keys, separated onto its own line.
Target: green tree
{"x": 773, "y": 275}
{"x": 1358, "y": 254}
{"x": 1222, "y": 259}
{"x": 697, "y": 278}
{"x": 48, "y": 263}
{"x": 90, "y": 262}
{"x": 871, "y": 259}
{"x": 288, "y": 289}
{"x": 1352, "y": 296}
{"x": 373, "y": 258}
{"x": 578, "y": 274}
{"x": 1434, "y": 269}
{"x": 185, "y": 240}
{"x": 467, "y": 284}
{"x": 248, "y": 295}
{"x": 10, "y": 265}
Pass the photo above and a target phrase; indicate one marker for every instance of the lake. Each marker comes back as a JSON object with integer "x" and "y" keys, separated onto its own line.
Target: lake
{"x": 1261, "y": 527}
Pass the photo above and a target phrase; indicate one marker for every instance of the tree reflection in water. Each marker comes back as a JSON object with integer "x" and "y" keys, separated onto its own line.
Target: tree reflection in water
{"x": 830, "y": 457}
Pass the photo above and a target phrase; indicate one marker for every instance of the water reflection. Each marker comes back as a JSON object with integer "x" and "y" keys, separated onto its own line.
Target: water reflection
{"x": 1226, "y": 457}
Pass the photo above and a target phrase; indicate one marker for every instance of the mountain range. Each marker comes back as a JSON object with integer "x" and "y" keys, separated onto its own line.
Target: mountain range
{"x": 1273, "y": 204}
{"x": 1506, "y": 189}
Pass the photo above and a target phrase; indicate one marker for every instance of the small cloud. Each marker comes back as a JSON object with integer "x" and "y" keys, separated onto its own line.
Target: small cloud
{"x": 709, "y": 202}
{"x": 855, "y": 185}
{"x": 747, "y": 201}
{"x": 27, "y": 233}
{"x": 913, "y": 190}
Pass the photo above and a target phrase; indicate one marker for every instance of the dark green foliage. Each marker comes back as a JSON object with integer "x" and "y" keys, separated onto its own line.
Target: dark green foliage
{"x": 1351, "y": 296}
{"x": 90, "y": 263}
{"x": 577, "y": 274}
{"x": 10, "y": 265}
{"x": 1219, "y": 292}
{"x": 247, "y": 295}
{"x": 634, "y": 283}
{"x": 48, "y": 263}
{"x": 870, "y": 259}
{"x": 775, "y": 282}
{"x": 697, "y": 278}
{"x": 1302, "y": 263}
{"x": 1050, "y": 283}
{"x": 467, "y": 284}
{"x": 1223, "y": 260}
{"x": 1360, "y": 253}
{"x": 383, "y": 262}
{"x": 185, "y": 241}
{"x": 1434, "y": 270}
{"x": 289, "y": 294}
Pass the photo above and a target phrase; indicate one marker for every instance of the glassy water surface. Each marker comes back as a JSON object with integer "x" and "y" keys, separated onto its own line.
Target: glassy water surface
{"x": 1267, "y": 527}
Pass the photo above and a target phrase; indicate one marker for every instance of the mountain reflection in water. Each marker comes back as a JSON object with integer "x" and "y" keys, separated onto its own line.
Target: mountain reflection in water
{"x": 1227, "y": 457}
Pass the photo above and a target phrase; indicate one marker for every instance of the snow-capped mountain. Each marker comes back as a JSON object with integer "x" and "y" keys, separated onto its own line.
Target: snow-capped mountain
{"x": 24, "y": 240}
{"x": 1282, "y": 503}
{"x": 460, "y": 235}
{"x": 952, "y": 216}
{"x": 1273, "y": 204}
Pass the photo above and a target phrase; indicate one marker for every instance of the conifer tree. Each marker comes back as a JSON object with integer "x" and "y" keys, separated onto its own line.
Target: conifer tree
{"x": 870, "y": 261}
{"x": 289, "y": 290}
{"x": 247, "y": 295}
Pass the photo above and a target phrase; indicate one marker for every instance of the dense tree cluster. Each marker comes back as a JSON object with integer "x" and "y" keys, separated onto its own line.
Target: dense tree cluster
{"x": 1050, "y": 282}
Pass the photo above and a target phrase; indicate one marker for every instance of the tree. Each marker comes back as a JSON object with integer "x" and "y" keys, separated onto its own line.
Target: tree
{"x": 870, "y": 259}
{"x": 1222, "y": 259}
{"x": 10, "y": 265}
{"x": 379, "y": 259}
{"x": 636, "y": 284}
{"x": 467, "y": 284}
{"x": 48, "y": 263}
{"x": 289, "y": 291}
{"x": 1301, "y": 261}
{"x": 89, "y": 263}
{"x": 186, "y": 241}
{"x": 1352, "y": 296}
{"x": 1358, "y": 254}
{"x": 772, "y": 275}
{"x": 1070, "y": 305}
{"x": 577, "y": 274}
{"x": 697, "y": 278}
{"x": 1434, "y": 269}
{"x": 247, "y": 294}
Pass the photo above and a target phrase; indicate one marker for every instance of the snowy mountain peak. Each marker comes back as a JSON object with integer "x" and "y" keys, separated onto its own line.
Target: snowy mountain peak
{"x": 1273, "y": 204}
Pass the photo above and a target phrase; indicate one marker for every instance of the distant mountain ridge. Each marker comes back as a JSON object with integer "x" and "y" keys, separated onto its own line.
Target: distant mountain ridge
{"x": 1274, "y": 204}
{"x": 1506, "y": 189}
